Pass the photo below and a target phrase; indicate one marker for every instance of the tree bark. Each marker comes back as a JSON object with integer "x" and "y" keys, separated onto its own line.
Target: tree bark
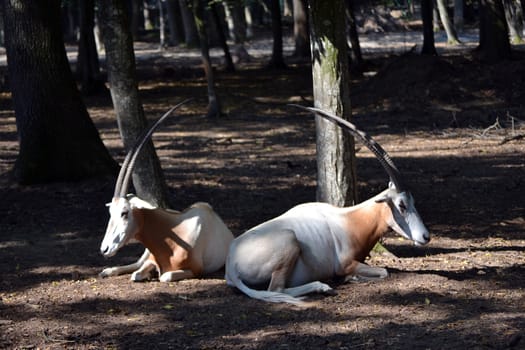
{"x": 452, "y": 36}
{"x": 277, "y": 60}
{"x": 148, "y": 178}
{"x": 191, "y": 35}
{"x": 429, "y": 47}
{"x": 494, "y": 44}
{"x": 58, "y": 140}
{"x": 214, "y": 107}
{"x": 459, "y": 15}
{"x": 514, "y": 19}
{"x": 228, "y": 61}
{"x": 354, "y": 37}
{"x": 175, "y": 30}
{"x": 88, "y": 67}
{"x": 300, "y": 29}
{"x": 336, "y": 176}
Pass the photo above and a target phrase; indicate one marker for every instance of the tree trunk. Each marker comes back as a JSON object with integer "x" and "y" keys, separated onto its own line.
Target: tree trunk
{"x": 336, "y": 176}
{"x": 452, "y": 36}
{"x": 148, "y": 178}
{"x": 214, "y": 108}
{"x": 88, "y": 67}
{"x": 514, "y": 19}
{"x": 277, "y": 60}
{"x": 459, "y": 14}
{"x": 58, "y": 140}
{"x": 221, "y": 36}
{"x": 236, "y": 21}
{"x": 191, "y": 35}
{"x": 354, "y": 36}
{"x": 135, "y": 17}
{"x": 300, "y": 29}
{"x": 175, "y": 30}
{"x": 494, "y": 44}
{"x": 162, "y": 26}
{"x": 429, "y": 47}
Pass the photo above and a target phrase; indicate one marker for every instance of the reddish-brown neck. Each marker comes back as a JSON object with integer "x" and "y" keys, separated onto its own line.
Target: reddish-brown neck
{"x": 366, "y": 224}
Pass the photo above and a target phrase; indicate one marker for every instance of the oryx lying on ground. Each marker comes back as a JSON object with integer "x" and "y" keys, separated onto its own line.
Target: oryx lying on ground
{"x": 290, "y": 255}
{"x": 178, "y": 245}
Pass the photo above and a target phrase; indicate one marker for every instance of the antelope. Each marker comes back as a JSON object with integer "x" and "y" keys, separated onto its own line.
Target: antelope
{"x": 287, "y": 257}
{"x": 179, "y": 245}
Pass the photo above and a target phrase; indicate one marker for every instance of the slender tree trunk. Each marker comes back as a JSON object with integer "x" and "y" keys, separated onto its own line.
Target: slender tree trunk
{"x": 191, "y": 35}
{"x": 172, "y": 7}
{"x": 514, "y": 20}
{"x": 301, "y": 32}
{"x": 135, "y": 17}
{"x": 354, "y": 36}
{"x": 236, "y": 21}
{"x": 214, "y": 107}
{"x": 494, "y": 44}
{"x": 88, "y": 67}
{"x": 162, "y": 26}
{"x": 459, "y": 15}
{"x": 58, "y": 141}
{"x": 148, "y": 178}
{"x": 429, "y": 47}
{"x": 222, "y": 38}
{"x": 277, "y": 60}
{"x": 452, "y": 36}
{"x": 336, "y": 176}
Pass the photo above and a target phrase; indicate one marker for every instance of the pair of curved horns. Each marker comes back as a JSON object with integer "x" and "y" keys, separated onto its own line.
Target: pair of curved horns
{"x": 372, "y": 145}
{"x": 124, "y": 176}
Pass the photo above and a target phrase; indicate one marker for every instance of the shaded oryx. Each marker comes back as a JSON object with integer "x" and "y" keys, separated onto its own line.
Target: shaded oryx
{"x": 179, "y": 245}
{"x": 290, "y": 254}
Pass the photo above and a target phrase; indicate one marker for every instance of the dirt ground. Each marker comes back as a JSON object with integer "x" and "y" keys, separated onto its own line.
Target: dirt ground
{"x": 454, "y": 127}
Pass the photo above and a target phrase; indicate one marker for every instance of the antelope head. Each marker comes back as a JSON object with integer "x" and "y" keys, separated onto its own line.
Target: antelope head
{"x": 405, "y": 219}
{"x": 123, "y": 225}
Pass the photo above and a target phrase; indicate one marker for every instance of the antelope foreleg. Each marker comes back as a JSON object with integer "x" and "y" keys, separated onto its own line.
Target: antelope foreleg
{"x": 178, "y": 275}
{"x": 364, "y": 272}
{"x": 120, "y": 270}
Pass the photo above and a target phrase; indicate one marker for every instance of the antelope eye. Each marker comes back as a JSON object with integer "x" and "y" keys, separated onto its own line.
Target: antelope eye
{"x": 124, "y": 214}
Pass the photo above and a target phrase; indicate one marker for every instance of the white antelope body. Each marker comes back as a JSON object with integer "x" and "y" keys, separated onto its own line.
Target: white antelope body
{"x": 179, "y": 245}
{"x": 290, "y": 255}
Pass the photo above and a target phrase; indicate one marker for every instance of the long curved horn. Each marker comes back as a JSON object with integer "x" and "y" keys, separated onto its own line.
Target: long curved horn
{"x": 372, "y": 145}
{"x": 126, "y": 168}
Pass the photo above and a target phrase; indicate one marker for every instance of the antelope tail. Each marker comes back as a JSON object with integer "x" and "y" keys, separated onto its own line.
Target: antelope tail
{"x": 233, "y": 279}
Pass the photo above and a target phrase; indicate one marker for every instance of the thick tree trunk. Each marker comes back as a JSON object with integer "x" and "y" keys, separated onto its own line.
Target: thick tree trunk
{"x": 429, "y": 47}
{"x": 58, "y": 141}
{"x": 336, "y": 176}
{"x": 494, "y": 44}
{"x": 148, "y": 178}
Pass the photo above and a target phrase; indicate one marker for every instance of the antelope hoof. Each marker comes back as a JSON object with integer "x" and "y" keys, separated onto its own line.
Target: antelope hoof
{"x": 107, "y": 272}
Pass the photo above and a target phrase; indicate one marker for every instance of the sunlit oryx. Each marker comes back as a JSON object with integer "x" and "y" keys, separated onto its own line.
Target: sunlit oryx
{"x": 179, "y": 245}
{"x": 288, "y": 256}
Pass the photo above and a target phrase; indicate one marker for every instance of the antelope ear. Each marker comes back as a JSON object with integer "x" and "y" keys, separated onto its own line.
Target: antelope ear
{"x": 138, "y": 203}
{"x": 384, "y": 197}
